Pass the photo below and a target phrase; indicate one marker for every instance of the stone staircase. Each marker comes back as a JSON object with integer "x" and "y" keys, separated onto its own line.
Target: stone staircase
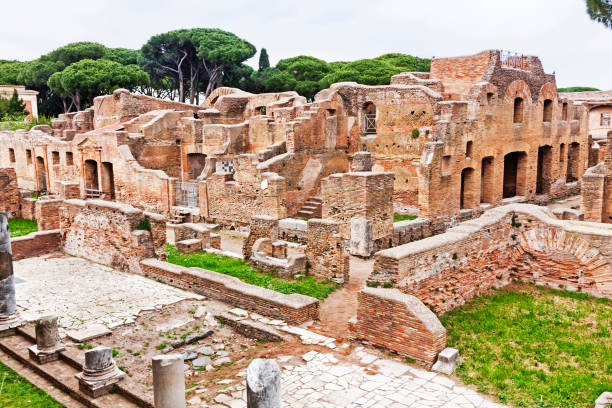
{"x": 312, "y": 208}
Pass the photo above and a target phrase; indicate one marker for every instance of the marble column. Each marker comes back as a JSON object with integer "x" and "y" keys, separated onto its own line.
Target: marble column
{"x": 169, "y": 381}
{"x": 100, "y": 372}
{"x": 48, "y": 343}
{"x": 263, "y": 384}
{"x": 8, "y": 316}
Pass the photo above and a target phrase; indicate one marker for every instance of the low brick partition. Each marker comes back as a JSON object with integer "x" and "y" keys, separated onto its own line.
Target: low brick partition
{"x": 516, "y": 241}
{"x": 399, "y": 322}
{"x": 36, "y": 244}
{"x": 46, "y": 213}
{"x": 293, "y": 308}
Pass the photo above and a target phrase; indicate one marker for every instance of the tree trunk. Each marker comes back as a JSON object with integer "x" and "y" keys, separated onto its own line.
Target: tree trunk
{"x": 215, "y": 76}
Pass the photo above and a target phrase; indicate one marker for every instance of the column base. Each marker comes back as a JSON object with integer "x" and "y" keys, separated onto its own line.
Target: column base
{"x": 44, "y": 356}
{"x": 96, "y": 386}
{"x": 9, "y": 325}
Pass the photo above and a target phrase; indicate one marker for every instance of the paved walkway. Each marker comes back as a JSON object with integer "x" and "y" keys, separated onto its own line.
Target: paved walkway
{"x": 82, "y": 293}
{"x": 320, "y": 380}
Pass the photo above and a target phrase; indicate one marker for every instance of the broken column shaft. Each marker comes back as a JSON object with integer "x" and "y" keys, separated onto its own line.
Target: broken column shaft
{"x": 48, "y": 343}
{"x": 169, "y": 381}
{"x": 263, "y": 384}
{"x": 8, "y": 318}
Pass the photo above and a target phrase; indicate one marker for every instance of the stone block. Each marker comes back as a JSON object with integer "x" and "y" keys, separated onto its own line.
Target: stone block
{"x": 447, "y": 361}
{"x": 88, "y": 333}
{"x": 361, "y": 237}
{"x": 604, "y": 400}
{"x": 189, "y": 246}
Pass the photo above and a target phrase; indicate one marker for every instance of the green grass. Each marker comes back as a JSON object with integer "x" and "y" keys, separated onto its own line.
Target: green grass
{"x": 403, "y": 217}
{"x": 17, "y": 392}
{"x": 238, "y": 268}
{"x": 19, "y": 227}
{"x": 534, "y": 346}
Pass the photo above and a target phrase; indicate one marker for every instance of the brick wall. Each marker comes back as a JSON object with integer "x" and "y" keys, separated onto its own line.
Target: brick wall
{"x": 9, "y": 194}
{"x": 518, "y": 241}
{"x": 366, "y": 195}
{"x": 262, "y": 226}
{"x": 325, "y": 251}
{"x": 36, "y": 244}
{"x": 105, "y": 232}
{"x": 398, "y": 322}
{"x": 46, "y": 212}
{"x": 293, "y": 308}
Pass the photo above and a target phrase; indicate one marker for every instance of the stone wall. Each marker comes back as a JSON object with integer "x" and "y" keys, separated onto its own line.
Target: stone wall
{"x": 36, "y": 244}
{"x": 293, "y": 308}
{"x": 325, "y": 251}
{"x": 105, "y": 232}
{"x": 9, "y": 194}
{"x": 262, "y": 226}
{"x": 518, "y": 241}
{"x": 398, "y": 322}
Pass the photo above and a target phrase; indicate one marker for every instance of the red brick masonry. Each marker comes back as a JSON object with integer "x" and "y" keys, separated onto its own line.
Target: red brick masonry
{"x": 35, "y": 244}
{"x": 293, "y": 308}
{"x": 396, "y": 321}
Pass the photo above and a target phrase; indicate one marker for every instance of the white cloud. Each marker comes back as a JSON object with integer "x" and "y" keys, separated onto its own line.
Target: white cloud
{"x": 559, "y": 31}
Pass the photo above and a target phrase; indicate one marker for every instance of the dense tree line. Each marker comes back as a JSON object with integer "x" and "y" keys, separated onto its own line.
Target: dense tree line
{"x": 185, "y": 64}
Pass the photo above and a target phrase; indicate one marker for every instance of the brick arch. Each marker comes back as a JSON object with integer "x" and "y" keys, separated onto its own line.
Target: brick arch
{"x": 560, "y": 258}
{"x": 517, "y": 89}
{"x": 548, "y": 91}
{"x": 479, "y": 92}
{"x": 214, "y": 95}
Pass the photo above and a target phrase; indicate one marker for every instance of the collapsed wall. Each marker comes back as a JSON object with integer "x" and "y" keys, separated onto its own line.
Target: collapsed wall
{"x": 108, "y": 233}
{"x": 9, "y": 194}
{"x": 518, "y": 241}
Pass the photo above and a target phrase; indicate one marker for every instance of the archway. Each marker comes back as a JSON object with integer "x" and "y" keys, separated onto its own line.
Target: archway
{"x": 369, "y": 118}
{"x": 469, "y": 191}
{"x": 544, "y": 175}
{"x": 92, "y": 188}
{"x": 573, "y": 162}
{"x": 195, "y": 163}
{"x": 515, "y": 169}
{"x": 487, "y": 187}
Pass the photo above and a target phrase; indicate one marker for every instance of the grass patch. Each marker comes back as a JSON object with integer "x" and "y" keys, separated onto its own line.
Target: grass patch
{"x": 403, "y": 217}
{"x": 238, "y": 268}
{"x": 533, "y": 346}
{"x": 19, "y": 227}
{"x": 17, "y": 392}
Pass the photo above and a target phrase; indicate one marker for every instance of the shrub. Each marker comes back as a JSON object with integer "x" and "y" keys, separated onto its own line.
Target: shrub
{"x": 415, "y": 133}
{"x": 144, "y": 224}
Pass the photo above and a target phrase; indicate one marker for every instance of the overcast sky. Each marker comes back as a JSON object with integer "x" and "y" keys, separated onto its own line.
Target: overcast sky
{"x": 558, "y": 31}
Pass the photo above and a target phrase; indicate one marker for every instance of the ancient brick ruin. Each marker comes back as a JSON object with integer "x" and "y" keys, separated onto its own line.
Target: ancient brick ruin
{"x": 475, "y": 149}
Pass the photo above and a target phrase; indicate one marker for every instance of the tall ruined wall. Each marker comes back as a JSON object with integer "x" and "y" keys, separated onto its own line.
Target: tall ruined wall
{"x": 403, "y": 117}
{"x": 105, "y": 232}
{"x": 366, "y": 195}
{"x": 9, "y": 194}
{"x": 483, "y": 153}
{"x": 459, "y": 74}
{"x": 230, "y": 199}
{"x": 123, "y": 105}
{"x": 519, "y": 241}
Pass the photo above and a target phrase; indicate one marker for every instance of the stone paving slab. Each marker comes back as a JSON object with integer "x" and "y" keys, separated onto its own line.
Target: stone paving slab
{"x": 321, "y": 380}
{"x": 82, "y": 293}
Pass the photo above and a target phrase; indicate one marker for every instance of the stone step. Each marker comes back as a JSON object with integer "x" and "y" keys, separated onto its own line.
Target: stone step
{"x": 302, "y": 213}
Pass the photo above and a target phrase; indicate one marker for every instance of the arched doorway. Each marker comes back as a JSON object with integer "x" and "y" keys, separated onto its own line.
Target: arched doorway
{"x": 487, "y": 180}
{"x": 469, "y": 190}
{"x": 573, "y": 162}
{"x": 195, "y": 163}
{"x": 515, "y": 173}
{"x": 544, "y": 175}
{"x": 92, "y": 188}
{"x": 369, "y": 118}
